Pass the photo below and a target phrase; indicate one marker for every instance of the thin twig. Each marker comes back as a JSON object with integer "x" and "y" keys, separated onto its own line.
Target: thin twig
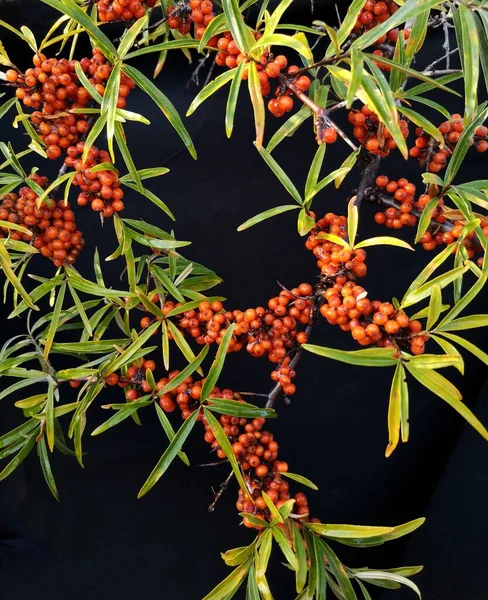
{"x": 367, "y": 181}
{"x": 214, "y": 464}
{"x": 222, "y": 489}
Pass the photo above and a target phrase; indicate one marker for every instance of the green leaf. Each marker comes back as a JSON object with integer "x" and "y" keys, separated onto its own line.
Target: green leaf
{"x": 182, "y": 344}
{"x": 305, "y": 222}
{"x": 130, "y": 36}
{"x": 210, "y": 89}
{"x": 109, "y": 105}
{"x": 6, "y": 266}
{"x": 357, "y": 68}
{"x": 425, "y": 218}
{"x": 166, "y": 282}
{"x": 383, "y": 240}
{"x": 348, "y": 531}
{"x": 369, "y": 357}
{"x": 300, "y": 479}
{"x": 483, "y": 356}
{"x": 31, "y": 402}
{"x": 237, "y": 556}
{"x": 185, "y": 373}
{"x": 443, "y": 388}
{"x": 19, "y": 433}
{"x": 431, "y": 104}
{"x": 289, "y": 127}
{"x": 216, "y": 26}
{"x": 252, "y": 592}
{"x": 232, "y": 99}
{"x": 432, "y": 266}
{"x": 288, "y": 553}
{"x": 226, "y": 447}
{"x": 273, "y": 20}
{"x": 339, "y": 572}
{"x": 383, "y": 102}
{"x": 18, "y": 385}
{"x": 470, "y": 52}
{"x": 333, "y": 176}
{"x": 469, "y": 322}
{"x": 426, "y": 289}
{"x": 450, "y": 350}
{"x": 15, "y": 462}
{"x": 281, "y": 175}
{"x": 384, "y": 576}
{"x": 302, "y": 571}
{"x": 315, "y": 167}
{"x": 89, "y": 87}
{"x": 257, "y": 102}
{"x": 297, "y": 42}
{"x": 53, "y": 326}
{"x": 395, "y": 409}
{"x": 7, "y": 106}
{"x": 169, "y": 431}
{"x": 129, "y": 352}
{"x": 69, "y": 7}
{"x": 122, "y": 414}
{"x": 424, "y": 123}
{"x": 169, "y": 454}
{"x": 50, "y": 414}
{"x": 435, "y": 361}
{"x": 229, "y": 586}
{"x": 178, "y": 44}
{"x": 127, "y": 157}
{"x": 234, "y": 408}
{"x": 191, "y": 305}
{"x": 164, "y": 105}
{"x": 240, "y": 31}
{"x": 331, "y": 237}
{"x": 352, "y": 221}
{"x": 262, "y": 559}
{"x": 463, "y": 145}
{"x": 267, "y": 214}
{"x": 46, "y": 467}
{"x": 152, "y": 197}
{"x": 217, "y": 364}
{"x": 347, "y": 25}
{"x": 83, "y": 285}
{"x": 435, "y": 306}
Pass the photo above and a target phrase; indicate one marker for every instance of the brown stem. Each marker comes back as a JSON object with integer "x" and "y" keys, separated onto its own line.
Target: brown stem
{"x": 222, "y": 489}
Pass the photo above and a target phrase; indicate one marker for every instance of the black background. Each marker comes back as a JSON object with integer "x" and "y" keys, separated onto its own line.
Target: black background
{"x": 100, "y": 541}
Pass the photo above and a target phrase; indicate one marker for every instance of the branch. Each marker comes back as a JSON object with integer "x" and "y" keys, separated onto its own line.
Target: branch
{"x": 222, "y": 489}
{"x": 367, "y": 180}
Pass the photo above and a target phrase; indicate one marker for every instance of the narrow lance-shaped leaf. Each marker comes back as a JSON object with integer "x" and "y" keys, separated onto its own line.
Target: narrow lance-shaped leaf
{"x": 395, "y": 409}
{"x": 16, "y": 461}
{"x": 228, "y": 587}
{"x": 257, "y": 101}
{"x": 185, "y": 373}
{"x": 435, "y": 306}
{"x": 470, "y": 50}
{"x": 54, "y": 320}
{"x": 232, "y": 99}
{"x": 109, "y": 105}
{"x": 164, "y": 105}
{"x": 50, "y": 415}
{"x": 226, "y": 447}
{"x": 128, "y": 353}
{"x": 46, "y": 467}
{"x": 217, "y": 365}
{"x": 170, "y": 453}
{"x": 369, "y": 357}
{"x": 6, "y": 266}
{"x": 210, "y": 89}
{"x": 339, "y": 572}
{"x": 357, "y": 67}
{"x": 315, "y": 167}
{"x": 267, "y": 214}
{"x": 240, "y": 31}
{"x": 169, "y": 431}
{"x": 443, "y": 388}
{"x": 384, "y": 576}
{"x": 262, "y": 560}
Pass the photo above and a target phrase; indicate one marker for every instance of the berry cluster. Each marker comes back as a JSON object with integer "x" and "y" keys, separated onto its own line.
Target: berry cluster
{"x": 370, "y": 322}
{"x": 52, "y": 88}
{"x": 100, "y": 189}
{"x": 271, "y": 331}
{"x": 373, "y": 13}
{"x": 404, "y": 193}
{"x": 200, "y": 13}
{"x": 427, "y": 149}
{"x": 371, "y": 133}
{"x": 54, "y": 231}
{"x": 123, "y": 10}
{"x": 333, "y": 259}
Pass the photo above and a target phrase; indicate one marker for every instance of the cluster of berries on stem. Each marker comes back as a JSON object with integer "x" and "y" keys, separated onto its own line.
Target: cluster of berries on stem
{"x": 123, "y": 10}
{"x": 52, "y": 225}
{"x": 100, "y": 189}
{"x": 254, "y": 448}
{"x": 370, "y": 132}
{"x": 429, "y": 152}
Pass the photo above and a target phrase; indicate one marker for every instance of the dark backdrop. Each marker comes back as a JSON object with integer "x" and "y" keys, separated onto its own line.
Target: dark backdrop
{"x": 100, "y": 541}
